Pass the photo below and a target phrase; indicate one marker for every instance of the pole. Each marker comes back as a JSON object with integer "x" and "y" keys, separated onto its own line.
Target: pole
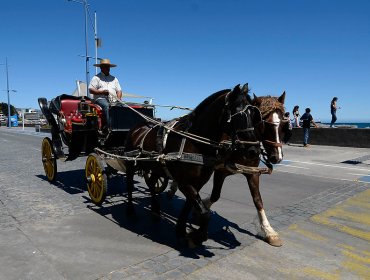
{"x": 7, "y": 89}
{"x": 23, "y": 119}
{"x": 87, "y": 54}
{"x": 96, "y": 42}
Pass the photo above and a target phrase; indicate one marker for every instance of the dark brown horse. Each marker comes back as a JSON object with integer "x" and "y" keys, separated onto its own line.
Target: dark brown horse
{"x": 197, "y": 136}
{"x": 270, "y": 134}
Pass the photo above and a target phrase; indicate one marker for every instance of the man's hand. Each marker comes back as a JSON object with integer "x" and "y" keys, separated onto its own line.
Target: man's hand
{"x": 104, "y": 91}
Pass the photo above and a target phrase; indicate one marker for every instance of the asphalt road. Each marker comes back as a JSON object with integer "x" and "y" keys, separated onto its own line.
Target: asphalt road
{"x": 53, "y": 231}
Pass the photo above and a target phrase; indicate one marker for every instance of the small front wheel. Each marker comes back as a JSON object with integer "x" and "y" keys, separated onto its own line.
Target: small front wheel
{"x": 96, "y": 179}
{"x": 49, "y": 159}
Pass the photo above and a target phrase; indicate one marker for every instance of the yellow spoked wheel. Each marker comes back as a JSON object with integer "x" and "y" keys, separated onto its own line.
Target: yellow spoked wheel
{"x": 49, "y": 159}
{"x": 96, "y": 179}
{"x": 160, "y": 183}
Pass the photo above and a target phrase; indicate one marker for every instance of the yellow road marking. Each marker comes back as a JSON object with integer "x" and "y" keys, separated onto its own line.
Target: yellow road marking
{"x": 307, "y": 233}
{"x": 360, "y": 203}
{"x": 321, "y": 274}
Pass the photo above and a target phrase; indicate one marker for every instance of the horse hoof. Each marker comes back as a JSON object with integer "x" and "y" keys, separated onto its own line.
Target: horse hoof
{"x": 274, "y": 241}
{"x": 182, "y": 242}
{"x": 191, "y": 244}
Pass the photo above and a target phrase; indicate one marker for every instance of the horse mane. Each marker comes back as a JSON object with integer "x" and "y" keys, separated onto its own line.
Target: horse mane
{"x": 202, "y": 105}
{"x": 269, "y": 104}
{"x": 205, "y": 103}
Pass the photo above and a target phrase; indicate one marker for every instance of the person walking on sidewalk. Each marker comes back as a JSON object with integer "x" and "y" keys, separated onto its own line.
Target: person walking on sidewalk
{"x": 333, "y": 111}
{"x": 307, "y": 119}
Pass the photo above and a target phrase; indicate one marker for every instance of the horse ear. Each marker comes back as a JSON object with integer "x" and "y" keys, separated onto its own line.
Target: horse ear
{"x": 256, "y": 100}
{"x": 281, "y": 99}
{"x": 237, "y": 88}
{"x": 230, "y": 97}
{"x": 245, "y": 88}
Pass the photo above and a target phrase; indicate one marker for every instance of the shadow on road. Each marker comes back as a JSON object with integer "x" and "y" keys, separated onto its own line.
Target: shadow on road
{"x": 161, "y": 229}
{"x": 74, "y": 182}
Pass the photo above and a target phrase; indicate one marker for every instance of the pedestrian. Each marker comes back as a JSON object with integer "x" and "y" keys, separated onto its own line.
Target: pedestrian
{"x": 307, "y": 119}
{"x": 333, "y": 111}
{"x": 287, "y": 128}
{"x": 296, "y": 116}
{"x": 105, "y": 88}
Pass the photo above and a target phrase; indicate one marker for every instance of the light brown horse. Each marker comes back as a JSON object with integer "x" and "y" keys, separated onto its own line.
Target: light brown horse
{"x": 269, "y": 132}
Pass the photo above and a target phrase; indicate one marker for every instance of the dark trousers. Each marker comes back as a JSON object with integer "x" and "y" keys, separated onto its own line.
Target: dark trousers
{"x": 306, "y": 135}
{"x": 287, "y": 135}
{"x": 333, "y": 118}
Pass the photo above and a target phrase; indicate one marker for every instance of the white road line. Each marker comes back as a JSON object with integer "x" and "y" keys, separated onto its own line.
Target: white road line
{"x": 324, "y": 177}
{"x": 294, "y": 166}
{"x": 328, "y": 165}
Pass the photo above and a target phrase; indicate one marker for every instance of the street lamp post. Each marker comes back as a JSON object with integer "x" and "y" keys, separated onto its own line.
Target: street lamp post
{"x": 8, "y": 90}
{"x": 97, "y": 40}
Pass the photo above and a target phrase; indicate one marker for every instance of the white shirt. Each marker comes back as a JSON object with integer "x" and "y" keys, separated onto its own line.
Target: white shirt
{"x": 100, "y": 81}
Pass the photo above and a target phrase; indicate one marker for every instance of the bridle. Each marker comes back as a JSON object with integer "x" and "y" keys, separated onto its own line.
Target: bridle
{"x": 236, "y": 143}
{"x": 269, "y": 142}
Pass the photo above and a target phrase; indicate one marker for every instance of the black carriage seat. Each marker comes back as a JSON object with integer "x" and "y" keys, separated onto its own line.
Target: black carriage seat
{"x": 123, "y": 118}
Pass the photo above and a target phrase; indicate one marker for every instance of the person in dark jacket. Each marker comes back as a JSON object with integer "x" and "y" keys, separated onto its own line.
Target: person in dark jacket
{"x": 307, "y": 119}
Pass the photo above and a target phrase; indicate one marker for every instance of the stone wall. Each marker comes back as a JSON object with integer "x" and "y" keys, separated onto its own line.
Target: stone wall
{"x": 343, "y": 137}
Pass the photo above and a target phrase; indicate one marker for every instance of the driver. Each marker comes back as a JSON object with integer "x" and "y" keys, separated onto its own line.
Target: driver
{"x": 105, "y": 88}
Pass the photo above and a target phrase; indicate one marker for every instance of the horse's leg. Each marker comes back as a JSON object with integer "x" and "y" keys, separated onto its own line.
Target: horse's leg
{"x": 271, "y": 236}
{"x": 218, "y": 180}
{"x": 154, "y": 202}
{"x": 197, "y": 237}
{"x": 181, "y": 221}
{"x": 130, "y": 172}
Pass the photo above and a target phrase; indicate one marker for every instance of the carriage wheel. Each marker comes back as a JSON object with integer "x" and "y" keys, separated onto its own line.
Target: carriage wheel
{"x": 160, "y": 184}
{"x": 96, "y": 179}
{"x": 49, "y": 159}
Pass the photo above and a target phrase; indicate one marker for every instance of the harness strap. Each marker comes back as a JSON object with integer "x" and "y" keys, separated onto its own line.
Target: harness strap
{"x": 245, "y": 129}
{"x": 194, "y": 137}
{"x": 162, "y": 159}
{"x": 271, "y": 143}
{"x": 172, "y": 124}
{"x": 181, "y": 147}
{"x": 146, "y": 134}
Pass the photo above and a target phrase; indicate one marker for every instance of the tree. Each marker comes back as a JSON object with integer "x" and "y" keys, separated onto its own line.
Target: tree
{"x": 4, "y": 109}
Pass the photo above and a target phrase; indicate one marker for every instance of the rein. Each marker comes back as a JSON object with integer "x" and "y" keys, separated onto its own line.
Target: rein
{"x": 188, "y": 135}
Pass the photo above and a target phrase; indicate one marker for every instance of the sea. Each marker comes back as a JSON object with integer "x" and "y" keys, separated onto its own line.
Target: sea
{"x": 358, "y": 125}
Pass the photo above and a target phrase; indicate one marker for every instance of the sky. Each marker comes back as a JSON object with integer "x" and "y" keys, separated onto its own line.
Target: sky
{"x": 181, "y": 51}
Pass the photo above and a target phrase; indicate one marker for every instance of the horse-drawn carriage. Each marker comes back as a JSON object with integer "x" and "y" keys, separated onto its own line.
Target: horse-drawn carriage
{"x": 78, "y": 127}
{"x": 227, "y": 133}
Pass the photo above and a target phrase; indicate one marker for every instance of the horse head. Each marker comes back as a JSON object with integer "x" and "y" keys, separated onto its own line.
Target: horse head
{"x": 270, "y": 130}
{"x": 241, "y": 117}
